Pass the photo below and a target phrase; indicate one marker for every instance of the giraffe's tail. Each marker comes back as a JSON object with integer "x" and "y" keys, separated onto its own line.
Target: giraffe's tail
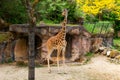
{"x": 41, "y": 46}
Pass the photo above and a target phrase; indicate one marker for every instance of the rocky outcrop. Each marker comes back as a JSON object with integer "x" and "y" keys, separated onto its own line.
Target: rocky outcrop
{"x": 79, "y": 42}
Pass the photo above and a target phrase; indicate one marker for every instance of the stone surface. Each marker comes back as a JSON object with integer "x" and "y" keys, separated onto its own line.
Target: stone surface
{"x": 21, "y": 50}
{"x": 79, "y": 41}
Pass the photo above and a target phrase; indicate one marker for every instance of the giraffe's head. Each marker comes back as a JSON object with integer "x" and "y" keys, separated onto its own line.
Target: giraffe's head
{"x": 65, "y": 12}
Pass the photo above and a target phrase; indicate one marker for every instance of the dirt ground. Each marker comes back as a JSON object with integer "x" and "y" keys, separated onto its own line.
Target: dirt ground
{"x": 99, "y": 68}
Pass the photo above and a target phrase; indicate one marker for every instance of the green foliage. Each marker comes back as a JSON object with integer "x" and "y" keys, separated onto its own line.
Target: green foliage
{"x": 117, "y": 25}
{"x": 51, "y": 10}
{"x": 88, "y": 55}
{"x": 13, "y": 11}
{"x": 102, "y": 27}
{"x": 99, "y": 10}
{"x": 91, "y": 18}
{"x": 105, "y": 10}
{"x": 25, "y": 64}
{"x": 4, "y": 37}
{"x": 108, "y": 15}
{"x": 21, "y": 64}
{"x": 9, "y": 60}
{"x": 116, "y": 42}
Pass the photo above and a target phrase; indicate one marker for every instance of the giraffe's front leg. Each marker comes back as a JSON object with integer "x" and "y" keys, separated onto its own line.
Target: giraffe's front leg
{"x": 58, "y": 54}
{"x": 63, "y": 57}
{"x": 48, "y": 61}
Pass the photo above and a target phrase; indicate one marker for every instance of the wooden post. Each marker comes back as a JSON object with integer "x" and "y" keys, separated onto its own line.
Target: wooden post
{"x": 32, "y": 23}
{"x": 31, "y": 34}
{"x": 31, "y": 74}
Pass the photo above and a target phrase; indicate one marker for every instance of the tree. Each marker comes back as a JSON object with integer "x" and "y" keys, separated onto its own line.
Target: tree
{"x": 99, "y": 7}
{"x": 50, "y": 10}
{"x": 32, "y": 23}
{"x": 13, "y": 11}
{"x": 47, "y": 10}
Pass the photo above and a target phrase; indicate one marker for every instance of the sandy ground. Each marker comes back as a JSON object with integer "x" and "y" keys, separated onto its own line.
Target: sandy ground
{"x": 99, "y": 68}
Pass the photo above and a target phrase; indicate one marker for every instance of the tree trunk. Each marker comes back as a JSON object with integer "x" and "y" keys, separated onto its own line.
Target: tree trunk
{"x": 32, "y": 23}
{"x": 31, "y": 38}
{"x": 100, "y": 16}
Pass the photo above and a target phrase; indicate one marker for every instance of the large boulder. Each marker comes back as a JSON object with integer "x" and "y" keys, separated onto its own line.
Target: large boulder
{"x": 113, "y": 53}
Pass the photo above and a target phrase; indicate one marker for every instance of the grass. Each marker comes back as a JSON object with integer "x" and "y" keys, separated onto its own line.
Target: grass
{"x": 51, "y": 23}
{"x": 73, "y": 25}
{"x": 21, "y": 64}
{"x": 25, "y": 64}
{"x": 102, "y": 27}
{"x": 88, "y": 55}
{"x": 116, "y": 42}
{"x": 99, "y": 27}
{"x": 4, "y": 37}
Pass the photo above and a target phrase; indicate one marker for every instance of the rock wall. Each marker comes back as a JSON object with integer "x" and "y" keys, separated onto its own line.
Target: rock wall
{"x": 102, "y": 40}
{"x": 79, "y": 42}
{"x": 21, "y": 50}
{"x": 5, "y": 52}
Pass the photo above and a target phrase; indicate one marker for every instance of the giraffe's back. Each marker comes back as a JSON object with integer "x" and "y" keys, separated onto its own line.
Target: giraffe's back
{"x": 55, "y": 42}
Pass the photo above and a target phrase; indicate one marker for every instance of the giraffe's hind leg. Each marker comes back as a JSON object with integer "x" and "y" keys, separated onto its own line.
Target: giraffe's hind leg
{"x": 48, "y": 59}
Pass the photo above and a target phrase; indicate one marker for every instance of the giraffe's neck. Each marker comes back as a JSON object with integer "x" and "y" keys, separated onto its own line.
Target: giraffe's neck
{"x": 62, "y": 33}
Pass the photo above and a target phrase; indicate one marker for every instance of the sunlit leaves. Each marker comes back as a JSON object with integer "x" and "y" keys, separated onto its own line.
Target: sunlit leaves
{"x": 96, "y": 7}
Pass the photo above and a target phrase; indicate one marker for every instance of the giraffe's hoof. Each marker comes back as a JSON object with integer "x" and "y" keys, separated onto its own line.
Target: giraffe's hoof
{"x": 65, "y": 72}
{"x": 49, "y": 71}
{"x": 58, "y": 71}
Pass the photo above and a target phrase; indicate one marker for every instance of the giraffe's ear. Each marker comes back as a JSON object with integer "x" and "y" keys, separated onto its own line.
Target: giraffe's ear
{"x": 64, "y": 12}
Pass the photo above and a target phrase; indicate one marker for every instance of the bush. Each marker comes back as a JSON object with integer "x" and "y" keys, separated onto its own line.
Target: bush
{"x": 13, "y": 11}
{"x": 51, "y": 11}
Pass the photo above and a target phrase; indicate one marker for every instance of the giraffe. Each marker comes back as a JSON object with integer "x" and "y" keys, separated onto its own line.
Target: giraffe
{"x": 58, "y": 42}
